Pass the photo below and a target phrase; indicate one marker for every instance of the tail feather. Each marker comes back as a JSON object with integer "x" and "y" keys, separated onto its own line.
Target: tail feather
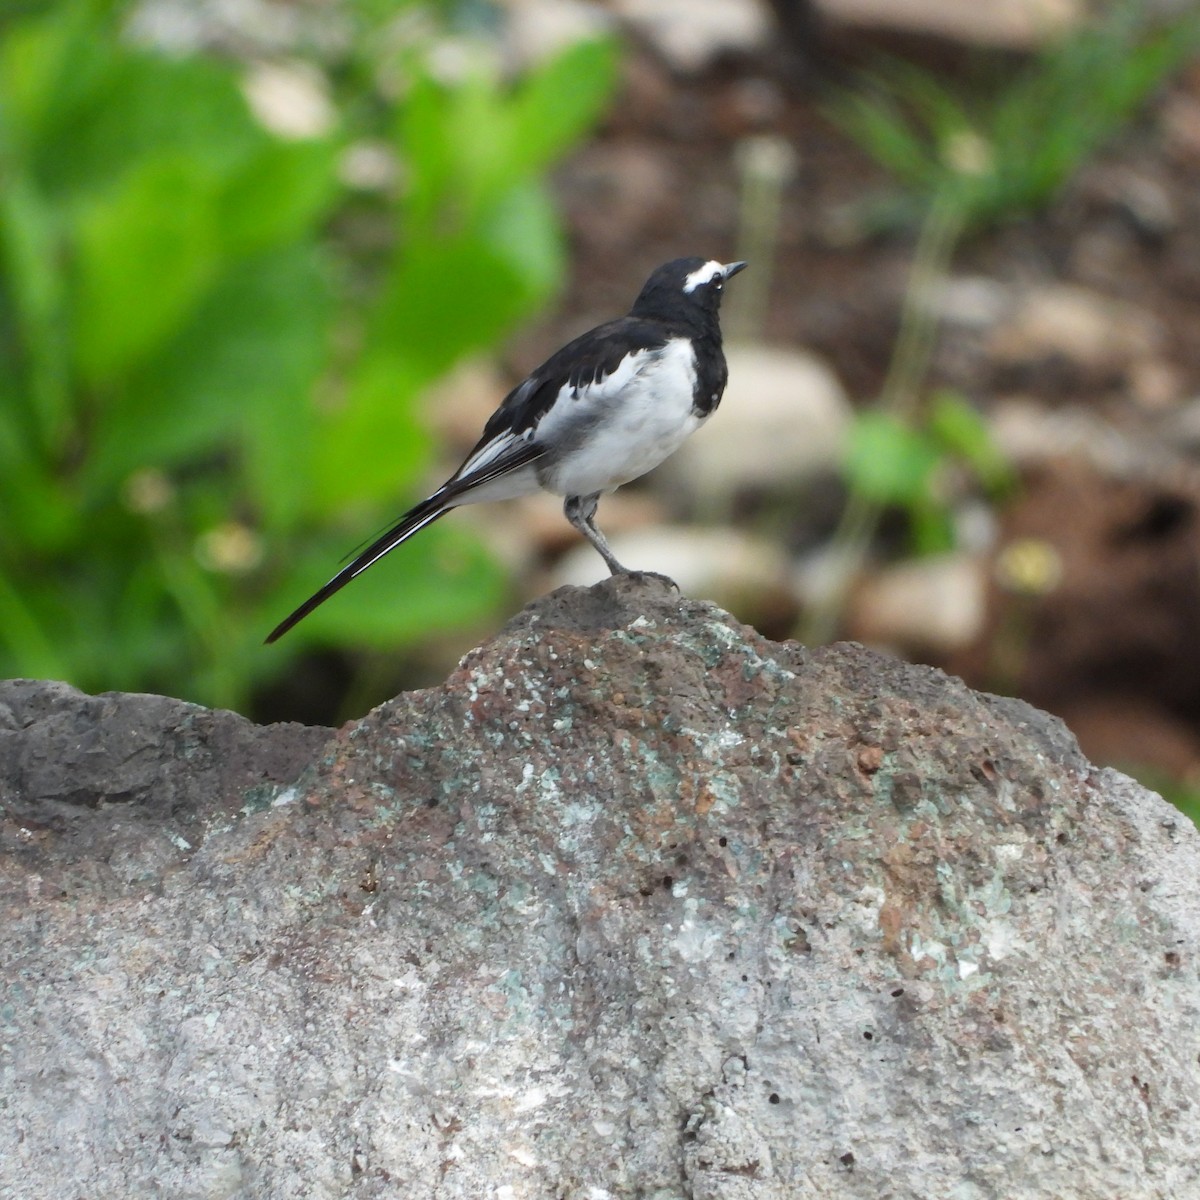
{"x": 412, "y": 522}
{"x": 457, "y": 491}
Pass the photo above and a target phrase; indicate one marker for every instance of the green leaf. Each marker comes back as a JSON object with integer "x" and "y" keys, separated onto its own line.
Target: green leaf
{"x": 146, "y": 254}
{"x": 522, "y": 230}
{"x": 882, "y": 130}
{"x": 242, "y": 368}
{"x": 278, "y": 195}
{"x": 50, "y": 68}
{"x": 560, "y": 101}
{"x": 30, "y": 248}
{"x": 151, "y": 107}
{"x": 370, "y": 446}
{"x": 449, "y": 297}
{"x": 467, "y": 145}
{"x": 40, "y": 514}
{"x": 888, "y": 462}
{"x": 942, "y": 114}
{"x": 281, "y": 353}
{"x": 28, "y": 647}
{"x": 959, "y": 429}
{"x": 479, "y": 126}
{"x": 428, "y": 153}
{"x": 159, "y": 257}
{"x": 1037, "y": 127}
{"x": 932, "y": 526}
{"x": 457, "y": 144}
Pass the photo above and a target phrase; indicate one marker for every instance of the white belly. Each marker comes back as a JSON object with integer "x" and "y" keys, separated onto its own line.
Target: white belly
{"x": 632, "y": 421}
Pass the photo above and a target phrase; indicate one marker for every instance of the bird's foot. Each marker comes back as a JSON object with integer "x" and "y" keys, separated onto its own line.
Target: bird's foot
{"x": 640, "y": 575}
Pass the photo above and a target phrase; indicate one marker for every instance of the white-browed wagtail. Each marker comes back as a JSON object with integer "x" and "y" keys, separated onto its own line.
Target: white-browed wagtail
{"x": 606, "y": 408}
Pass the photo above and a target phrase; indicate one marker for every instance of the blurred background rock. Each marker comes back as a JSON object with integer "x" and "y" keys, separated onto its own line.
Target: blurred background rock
{"x": 266, "y": 267}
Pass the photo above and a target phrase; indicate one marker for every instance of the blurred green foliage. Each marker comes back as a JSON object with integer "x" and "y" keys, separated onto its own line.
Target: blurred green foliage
{"x": 893, "y": 462}
{"x": 1002, "y": 151}
{"x": 967, "y": 156}
{"x": 207, "y": 389}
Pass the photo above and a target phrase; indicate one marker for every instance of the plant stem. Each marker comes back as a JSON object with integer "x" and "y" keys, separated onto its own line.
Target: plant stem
{"x": 767, "y": 165}
{"x": 900, "y": 397}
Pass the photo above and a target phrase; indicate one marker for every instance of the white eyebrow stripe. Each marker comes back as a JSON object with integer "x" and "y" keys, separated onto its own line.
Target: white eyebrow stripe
{"x": 702, "y": 275}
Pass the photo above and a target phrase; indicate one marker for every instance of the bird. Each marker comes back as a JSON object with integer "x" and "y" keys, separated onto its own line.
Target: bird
{"x": 608, "y": 407}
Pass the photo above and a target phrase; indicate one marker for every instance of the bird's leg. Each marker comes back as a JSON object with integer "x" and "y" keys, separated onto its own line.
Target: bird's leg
{"x": 581, "y": 512}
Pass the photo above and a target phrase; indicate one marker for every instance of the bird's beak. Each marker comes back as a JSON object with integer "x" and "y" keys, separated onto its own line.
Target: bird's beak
{"x": 731, "y": 269}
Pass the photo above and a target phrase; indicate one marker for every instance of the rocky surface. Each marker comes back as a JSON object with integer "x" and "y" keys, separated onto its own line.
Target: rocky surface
{"x": 75, "y": 769}
{"x": 637, "y": 904}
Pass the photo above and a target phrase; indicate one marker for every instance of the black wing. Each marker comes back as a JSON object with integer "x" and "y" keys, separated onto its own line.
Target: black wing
{"x": 591, "y": 356}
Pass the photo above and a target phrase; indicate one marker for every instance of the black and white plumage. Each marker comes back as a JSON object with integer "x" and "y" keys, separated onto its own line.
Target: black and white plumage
{"x": 606, "y": 408}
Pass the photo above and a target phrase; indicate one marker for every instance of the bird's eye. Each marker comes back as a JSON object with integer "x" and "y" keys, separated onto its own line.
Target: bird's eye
{"x": 720, "y": 286}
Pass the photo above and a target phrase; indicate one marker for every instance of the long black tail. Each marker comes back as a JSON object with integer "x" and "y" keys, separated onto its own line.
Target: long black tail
{"x": 412, "y": 522}
{"x": 457, "y": 490}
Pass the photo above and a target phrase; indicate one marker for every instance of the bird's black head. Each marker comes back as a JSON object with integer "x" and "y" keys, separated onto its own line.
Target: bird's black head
{"x": 685, "y": 289}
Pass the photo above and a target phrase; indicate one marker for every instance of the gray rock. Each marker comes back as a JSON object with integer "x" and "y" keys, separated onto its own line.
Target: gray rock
{"x": 78, "y": 767}
{"x": 636, "y": 904}
{"x": 1015, "y": 24}
{"x": 934, "y": 605}
{"x": 968, "y": 301}
{"x": 1085, "y": 326}
{"x": 784, "y": 420}
{"x": 535, "y": 30}
{"x": 690, "y": 34}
